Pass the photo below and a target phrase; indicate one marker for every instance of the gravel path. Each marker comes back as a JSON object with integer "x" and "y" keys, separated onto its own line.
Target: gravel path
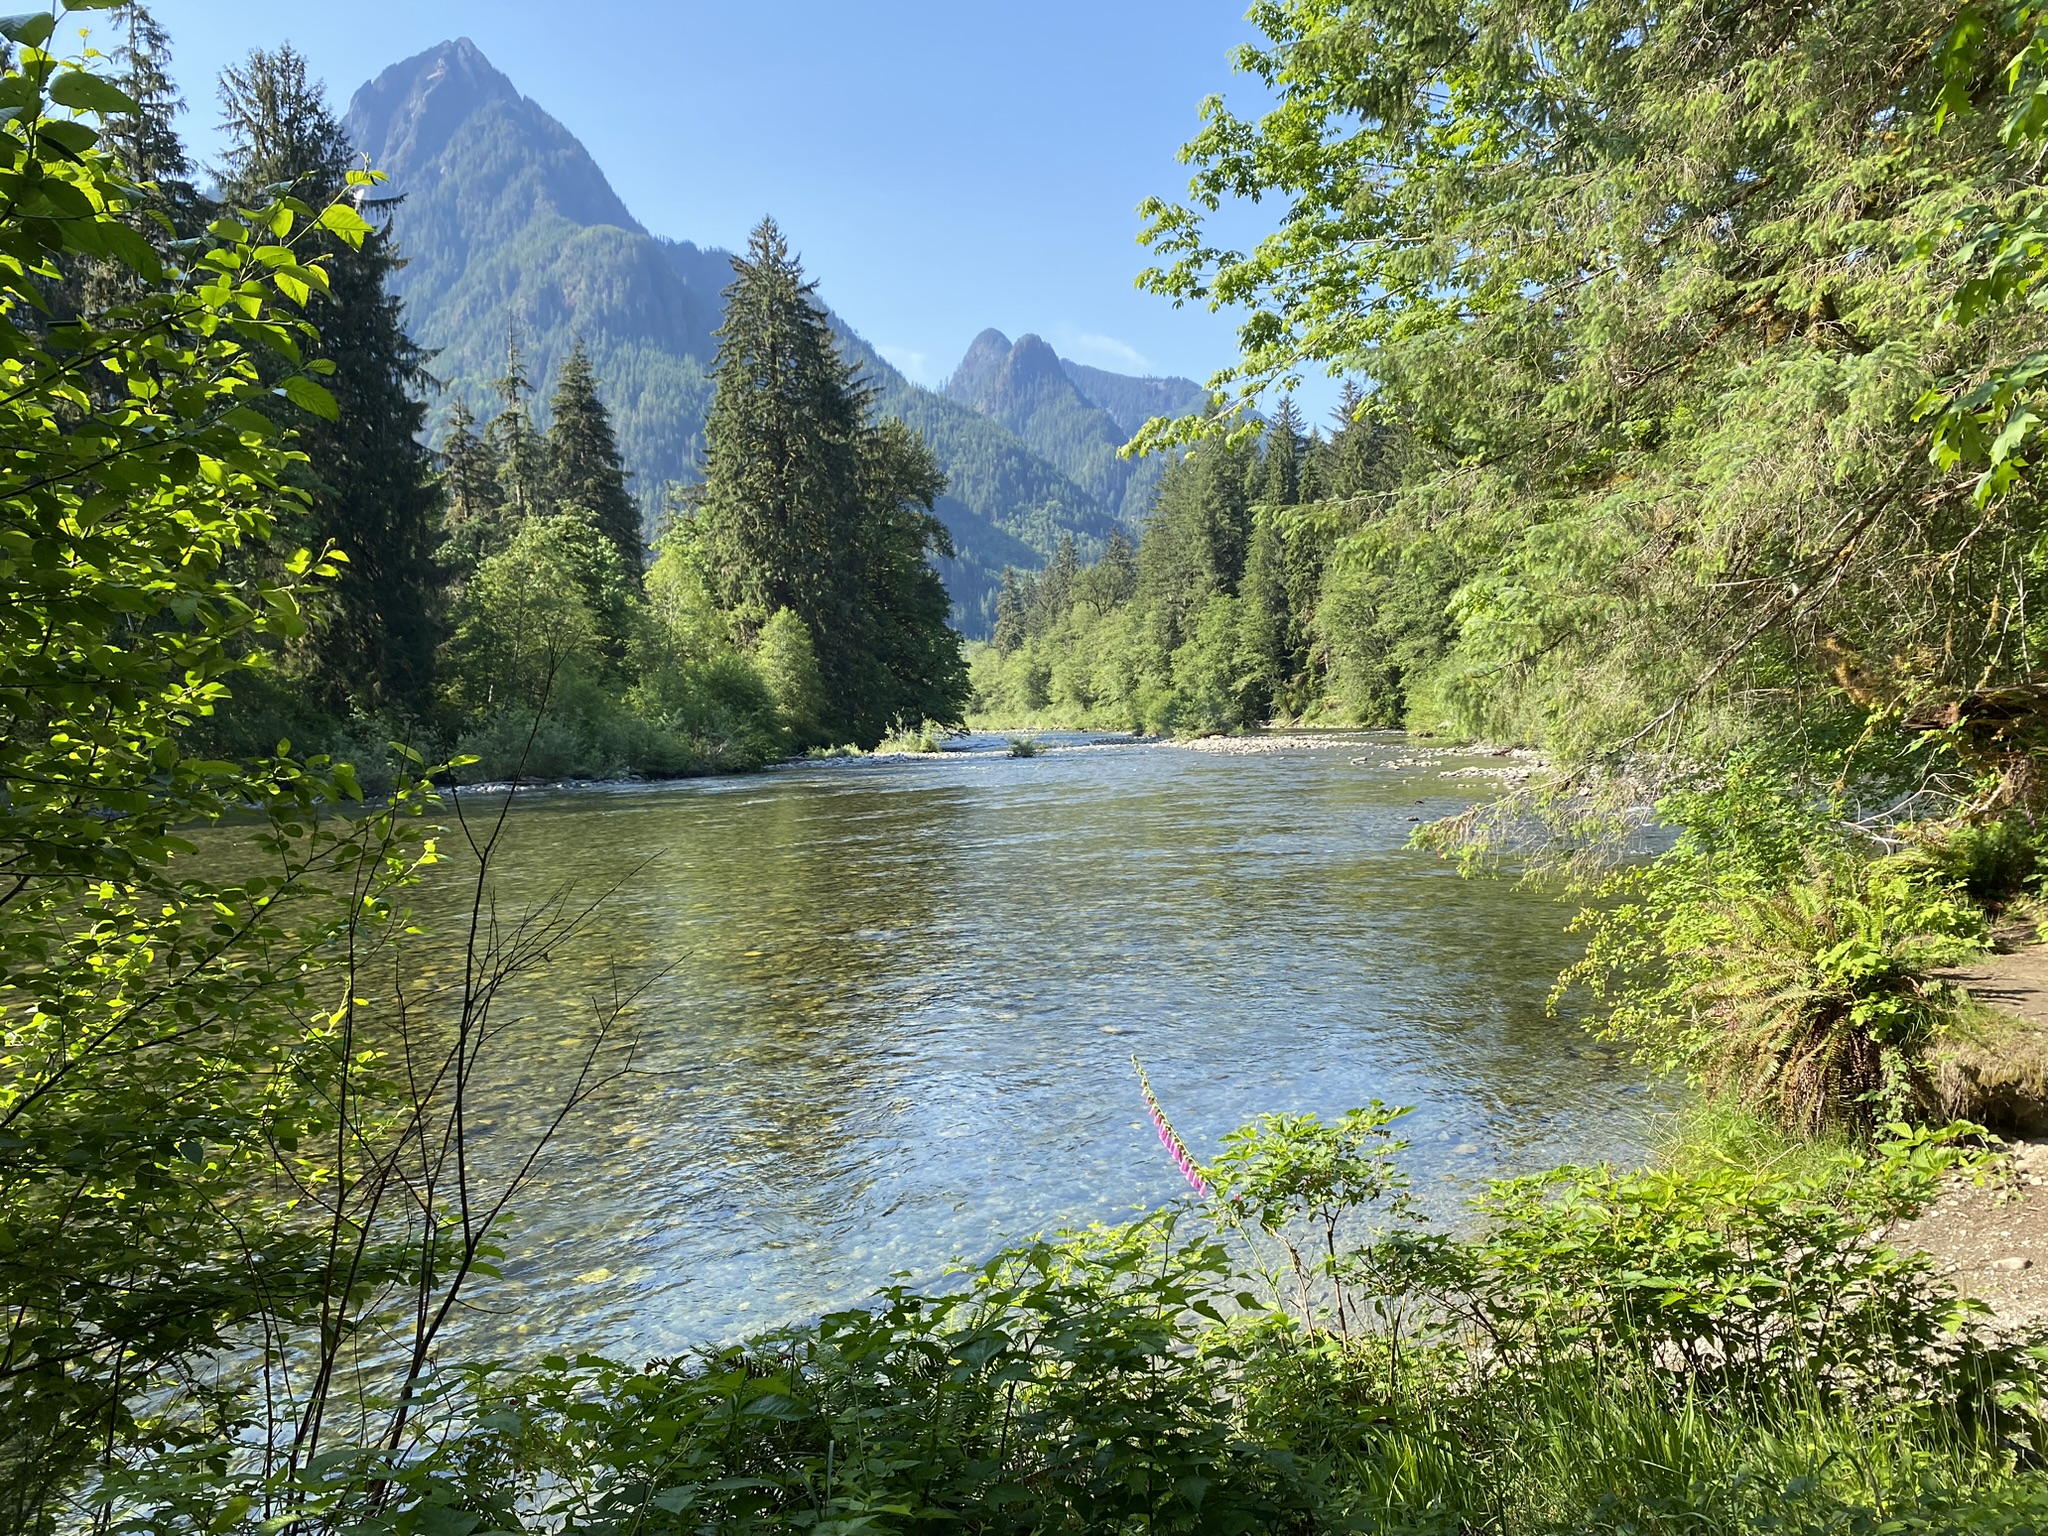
{"x": 1992, "y": 1240}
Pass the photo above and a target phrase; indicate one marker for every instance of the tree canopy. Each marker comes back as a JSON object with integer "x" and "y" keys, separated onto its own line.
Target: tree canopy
{"x": 809, "y": 506}
{"x": 1657, "y": 299}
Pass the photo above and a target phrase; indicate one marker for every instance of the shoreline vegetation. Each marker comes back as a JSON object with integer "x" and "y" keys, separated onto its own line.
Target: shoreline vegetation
{"x": 1698, "y": 361}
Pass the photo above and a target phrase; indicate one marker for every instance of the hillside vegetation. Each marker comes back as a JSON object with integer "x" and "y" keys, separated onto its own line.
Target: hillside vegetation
{"x": 507, "y": 224}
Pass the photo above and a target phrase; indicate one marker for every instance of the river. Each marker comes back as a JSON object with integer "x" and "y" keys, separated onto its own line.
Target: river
{"x": 890, "y": 1006}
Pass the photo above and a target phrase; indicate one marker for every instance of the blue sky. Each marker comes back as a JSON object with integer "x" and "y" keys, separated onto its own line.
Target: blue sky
{"x": 942, "y": 165}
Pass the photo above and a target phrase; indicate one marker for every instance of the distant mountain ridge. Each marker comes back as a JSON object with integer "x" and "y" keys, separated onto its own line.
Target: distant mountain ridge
{"x": 1078, "y": 417}
{"x": 505, "y": 220}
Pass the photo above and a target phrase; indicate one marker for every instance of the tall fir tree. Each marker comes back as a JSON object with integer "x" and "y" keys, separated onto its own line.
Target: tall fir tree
{"x": 1195, "y": 542}
{"x": 1009, "y": 629}
{"x": 146, "y": 141}
{"x": 1057, "y": 587}
{"x": 279, "y": 130}
{"x": 806, "y": 507}
{"x": 584, "y": 467}
{"x": 516, "y": 447}
{"x": 1358, "y": 447}
{"x": 911, "y": 667}
{"x": 776, "y": 524}
{"x": 1260, "y": 666}
{"x": 473, "y": 502}
{"x": 1280, "y": 465}
{"x": 162, "y": 206}
{"x": 1313, "y": 452}
{"x": 371, "y": 478}
{"x": 1113, "y": 580}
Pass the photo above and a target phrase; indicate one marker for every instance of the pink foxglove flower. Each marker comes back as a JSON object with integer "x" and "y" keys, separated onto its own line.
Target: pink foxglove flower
{"x": 1168, "y": 1138}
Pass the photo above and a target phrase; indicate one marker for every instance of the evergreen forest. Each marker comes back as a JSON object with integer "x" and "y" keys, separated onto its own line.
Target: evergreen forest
{"x": 1692, "y": 447}
{"x": 496, "y": 597}
{"x": 502, "y": 212}
{"x": 1235, "y": 608}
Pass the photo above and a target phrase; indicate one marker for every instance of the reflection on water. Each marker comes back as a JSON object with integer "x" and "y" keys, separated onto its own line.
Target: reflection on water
{"x": 894, "y": 1003}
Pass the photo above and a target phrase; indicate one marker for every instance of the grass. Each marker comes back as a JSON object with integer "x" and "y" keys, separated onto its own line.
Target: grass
{"x": 1719, "y": 1130}
{"x": 926, "y": 739}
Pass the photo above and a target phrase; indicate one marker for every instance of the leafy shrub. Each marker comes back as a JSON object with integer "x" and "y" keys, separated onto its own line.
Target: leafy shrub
{"x": 924, "y": 739}
{"x": 1723, "y": 1350}
{"x": 1991, "y": 862}
{"x": 1770, "y": 953}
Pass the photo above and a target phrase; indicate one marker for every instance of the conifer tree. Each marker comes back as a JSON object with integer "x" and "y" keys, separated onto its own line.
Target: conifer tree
{"x": 473, "y": 502}
{"x": 1280, "y": 467}
{"x": 1313, "y": 452}
{"x": 516, "y": 448}
{"x": 280, "y": 130}
{"x": 371, "y": 478}
{"x": 1115, "y": 575}
{"x": 777, "y": 520}
{"x": 1056, "y": 588}
{"x": 1194, "y": 544}
{"x": 911, "y": 667}
{"x": 1358, "y": 447}
{"x": 163, "y": 205}
{"x": 1009, "y": 630}
{"x": 807, "y": 507}
{"x": 1260, "y": 665}
{"x": 146, "y": 141}
{"x": 584, "y": 467}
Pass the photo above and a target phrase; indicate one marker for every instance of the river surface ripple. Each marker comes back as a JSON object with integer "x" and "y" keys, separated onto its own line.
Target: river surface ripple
{"x": 890, "y": 1008}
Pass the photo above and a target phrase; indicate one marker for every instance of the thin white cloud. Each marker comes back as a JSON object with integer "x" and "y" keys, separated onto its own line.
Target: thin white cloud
{"x": 913, "y": 365}
{"x": 1105, "y": 352}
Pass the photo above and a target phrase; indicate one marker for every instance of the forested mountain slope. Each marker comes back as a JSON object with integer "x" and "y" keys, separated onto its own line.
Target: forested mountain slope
{"x": 1077, "y": 417}
{"x": 506, "y": 221}
{"x": 1135, "y": 401}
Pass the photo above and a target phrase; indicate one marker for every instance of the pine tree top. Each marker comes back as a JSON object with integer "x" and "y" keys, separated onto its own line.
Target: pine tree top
{"x": 585, "y": 467}
{"x": 280, "y": 129}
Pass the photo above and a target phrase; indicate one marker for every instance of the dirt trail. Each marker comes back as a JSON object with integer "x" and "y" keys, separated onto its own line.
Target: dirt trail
{"x": 1992, "y": 1241}
{"x": 2015, "y": 980}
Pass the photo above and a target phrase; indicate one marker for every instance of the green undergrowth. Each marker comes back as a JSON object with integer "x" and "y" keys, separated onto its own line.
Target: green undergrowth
{"x": 1789, "y": 957}
{"x": 1718, "y": 1346}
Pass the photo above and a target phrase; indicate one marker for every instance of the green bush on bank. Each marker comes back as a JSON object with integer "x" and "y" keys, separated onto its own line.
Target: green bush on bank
{"x": 1718, "y": 1349}
{"x": 1777, "y": 953}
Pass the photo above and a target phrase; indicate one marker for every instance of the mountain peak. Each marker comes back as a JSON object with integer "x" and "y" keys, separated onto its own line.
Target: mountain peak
{"x": 976, "y": 375}
{"x": 1032, "y": 358}
{"x": 412, "y": 107}
{"x": 1026, "y": 387}
{"x": 995, "y": 369}
{"x": 449, "y": 113}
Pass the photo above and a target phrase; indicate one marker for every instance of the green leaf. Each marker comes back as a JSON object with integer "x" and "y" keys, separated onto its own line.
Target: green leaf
{"x": 85, "y": 92}
{"x": 308, "y": 396}
{"x": 31, "y": 29}
{"x": 73, "y": 138}
{"x": 341, "y": 220}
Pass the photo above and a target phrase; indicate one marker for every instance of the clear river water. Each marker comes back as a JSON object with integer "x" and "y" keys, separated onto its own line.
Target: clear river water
{"x": 890, "y": 1008}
